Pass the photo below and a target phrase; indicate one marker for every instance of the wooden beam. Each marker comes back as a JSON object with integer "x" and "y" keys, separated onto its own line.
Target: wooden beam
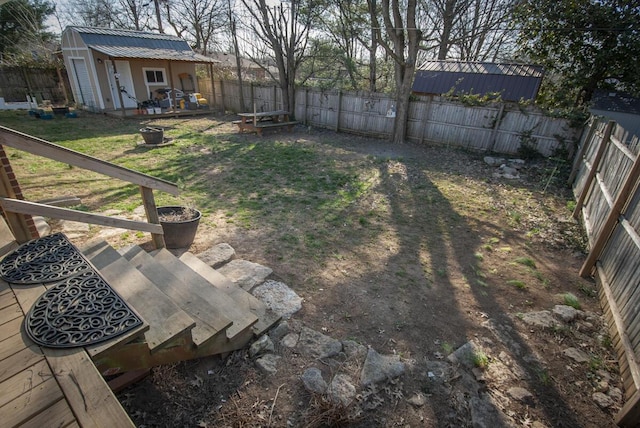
{"x": 16, "y": 223}
{"x": 152, "y": 215}
{"x": 630, "y": 183}
{"x": 26, "y": 207}
{"x": 629, "y": 415}
{"x": 594, "y": 168}
{"x": 40, "y": 147}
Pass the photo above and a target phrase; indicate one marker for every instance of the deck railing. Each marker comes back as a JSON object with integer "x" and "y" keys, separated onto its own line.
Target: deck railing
{"x": 40, "y": 147}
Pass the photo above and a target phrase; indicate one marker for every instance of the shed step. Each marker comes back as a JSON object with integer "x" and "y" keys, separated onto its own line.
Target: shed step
{"x": 242, "y": 320}
{"x": 166, "y": 320}
{"x": 266, "y": 317}
{"x": 195, "y": 298}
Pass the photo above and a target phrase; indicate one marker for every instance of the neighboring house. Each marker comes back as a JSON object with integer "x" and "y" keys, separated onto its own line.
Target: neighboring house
{"x": 250, "y": 70}
{"x": 514, "y": 82}
{"x": 113, "y": 69}
{"x": 618, "y": 106}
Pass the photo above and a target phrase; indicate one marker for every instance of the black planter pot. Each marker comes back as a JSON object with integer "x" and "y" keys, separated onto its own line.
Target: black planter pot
{"x": 179, "y": 233}
{"x": 152, "y": 135}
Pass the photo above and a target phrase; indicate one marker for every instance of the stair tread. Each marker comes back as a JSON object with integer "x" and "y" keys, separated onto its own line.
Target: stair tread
{"x": 242, "y": 319}
{"x": 210, "y": 320}
{"x": 166, "y": 320}
{"x": 266, "y": 317}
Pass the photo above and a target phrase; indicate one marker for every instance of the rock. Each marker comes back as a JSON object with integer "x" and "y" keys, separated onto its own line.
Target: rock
{"x": 603, "y": 401}
{"x": 507, "y": 170}
{"x": 485, "y": 414}
{"x": 464, "y": 354}
{"x": 491, "y": 161}
{"x": 602, "y": 386}
{"x": 615, "y": 394}
{"x": 566, "y": 313}
{"x": 218, "y": 255}
{"x": 378, "y": 368}
{"x": 317, "y": 344}
{"x": 353, "y": 349}
{"x": 313, "y": 381}
{"x": 417, "y": 400}
{"x": 67, "y": 226}
{"x": 576, "y": 355}
{"x": 280, "y": 331}
{"x": 279, "y": 298}
{"x": 261, "y": 346}
{"x": 540, "y": 319}
{"x": 245, "y": 273}
{"x": 341, "y": 391}
{"x": 41, "y": 225}
{"x": 516, "y": 162}
{"x": 268, "y": 363}
{"x": 290, "y": 340}
{"x": 521, "y": 395}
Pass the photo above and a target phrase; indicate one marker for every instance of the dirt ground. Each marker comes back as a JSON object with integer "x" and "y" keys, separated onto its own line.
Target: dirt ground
{"x": 453, "y": 248}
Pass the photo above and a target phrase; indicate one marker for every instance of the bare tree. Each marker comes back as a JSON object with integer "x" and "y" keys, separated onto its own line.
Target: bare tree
{"x": 402, "y": 46}
{"x": 470, "y": 30}
{"x": 198, "y": 21}
{"x": 283, "y": 34}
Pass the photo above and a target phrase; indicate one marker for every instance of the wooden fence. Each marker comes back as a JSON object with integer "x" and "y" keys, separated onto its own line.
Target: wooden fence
{"x": 605, "y": 179}
{"x": 43, "y": 84}
{"x": 498, "y": 127}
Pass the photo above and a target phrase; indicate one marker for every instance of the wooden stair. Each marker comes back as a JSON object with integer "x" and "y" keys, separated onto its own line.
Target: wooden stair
{"x": 190, "y": 309}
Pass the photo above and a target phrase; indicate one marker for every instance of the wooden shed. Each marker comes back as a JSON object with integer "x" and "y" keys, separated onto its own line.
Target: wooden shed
{"x": 514, "y": 82}
{"x": 112, "y": 69}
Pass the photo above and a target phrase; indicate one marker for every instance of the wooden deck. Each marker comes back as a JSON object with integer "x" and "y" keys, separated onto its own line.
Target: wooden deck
{"x": 42, "y": 387}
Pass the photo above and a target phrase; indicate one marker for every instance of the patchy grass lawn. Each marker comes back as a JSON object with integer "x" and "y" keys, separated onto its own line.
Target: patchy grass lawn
{"x": 407, "y": 248}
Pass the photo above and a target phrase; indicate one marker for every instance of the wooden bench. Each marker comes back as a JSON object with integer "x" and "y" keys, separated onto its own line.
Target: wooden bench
{"x": 269, "y": 125}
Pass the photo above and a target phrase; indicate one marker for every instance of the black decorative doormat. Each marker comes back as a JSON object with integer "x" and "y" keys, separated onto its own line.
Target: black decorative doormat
{"x": 79, "y": 308}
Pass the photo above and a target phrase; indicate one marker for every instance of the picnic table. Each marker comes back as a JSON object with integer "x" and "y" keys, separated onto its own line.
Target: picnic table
{"x": 258, "y": 121}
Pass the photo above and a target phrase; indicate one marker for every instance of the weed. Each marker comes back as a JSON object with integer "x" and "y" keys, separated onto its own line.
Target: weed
{"x": 587, "y": 290}
{"x": 544, "y": 377}
{"x": 447, "y": 348}
{"x": 482, "y": 283}
{"x": 442, "y": 272}
{"x": 570, "y": 299}
{"x": 494, "y": 240}
{"x": 595, "y": 363}
{"x": 517, "y": 283}
{"x": 480, "y": 359}
{"x": 487, "y": 247}
{"x": 479, "y": 256}
{"x": 526, "y": 261}
{"x": 571, "y": 205}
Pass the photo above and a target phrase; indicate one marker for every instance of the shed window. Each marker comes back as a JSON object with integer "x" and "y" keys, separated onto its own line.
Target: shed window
{"x": 155, "y": 76}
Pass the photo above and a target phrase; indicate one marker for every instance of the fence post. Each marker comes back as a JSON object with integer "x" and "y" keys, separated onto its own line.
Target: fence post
{"x": 213, "y": 85}
{"x": 275, "y": 98}
{"x": 224, "y": 107}
{"x": 612, "y": 218}
{"x": 338, "y": 111}
{"x": 594, "y": 168}
{"x": 496, "y": 125}
{"x": 583, "y": 149}
{"x": 426, "y": 118}
{"x": 306, "y": 106}
{"x": 253, "y": 94}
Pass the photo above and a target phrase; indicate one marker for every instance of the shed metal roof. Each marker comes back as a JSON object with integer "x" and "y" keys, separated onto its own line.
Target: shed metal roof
{"x": 139, "y": 44}
{"x": 512, "y": 81}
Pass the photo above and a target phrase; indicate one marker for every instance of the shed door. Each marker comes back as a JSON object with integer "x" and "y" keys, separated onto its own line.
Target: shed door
{"x": 126, "y": 84}
{"x": 83, "y": 82}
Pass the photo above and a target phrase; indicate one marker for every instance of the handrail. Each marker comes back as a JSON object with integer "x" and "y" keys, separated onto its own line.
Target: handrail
{"x": 34, "y": 208}
{"x": 37, "y": 146}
